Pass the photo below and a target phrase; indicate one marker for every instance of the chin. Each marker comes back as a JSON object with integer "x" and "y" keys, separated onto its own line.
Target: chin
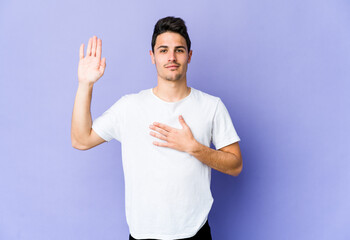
{"x": 174, "y": 78}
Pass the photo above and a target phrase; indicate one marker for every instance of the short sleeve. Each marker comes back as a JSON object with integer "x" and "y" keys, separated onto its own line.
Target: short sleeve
{"x": 108, "y": 125}
{"x": 223, "y": 131}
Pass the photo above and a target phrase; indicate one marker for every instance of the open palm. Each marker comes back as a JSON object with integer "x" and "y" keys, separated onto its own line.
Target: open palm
{"x": 91, "y": 67}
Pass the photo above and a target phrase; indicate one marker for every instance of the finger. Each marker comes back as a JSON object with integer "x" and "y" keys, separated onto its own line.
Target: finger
{"x": 163, "y": 126}
{"x": 93, "y": 50}
{"x": 162, "y": 131}
{"x": 160, "y": 144}
{"x": 88, "y": 49}
{"x": 81, "y": 51}
{"x": 158, "y": 135}
{"x": 103, "y": 65}
{"x": 99, "y": 49}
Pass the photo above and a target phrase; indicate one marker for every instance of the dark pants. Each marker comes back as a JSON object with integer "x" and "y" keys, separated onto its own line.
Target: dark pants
{"x": 203, "y": 234}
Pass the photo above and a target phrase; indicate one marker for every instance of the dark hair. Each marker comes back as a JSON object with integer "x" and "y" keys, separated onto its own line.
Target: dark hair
{"x": 171, "y": 24}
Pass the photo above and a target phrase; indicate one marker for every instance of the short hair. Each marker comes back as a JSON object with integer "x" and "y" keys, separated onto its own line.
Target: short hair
{"x": 171, "y": 24}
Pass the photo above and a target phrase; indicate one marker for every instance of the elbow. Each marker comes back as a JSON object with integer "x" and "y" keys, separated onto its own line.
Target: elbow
{"x": 237, "y": 170}
{"x": 77, "y": 145}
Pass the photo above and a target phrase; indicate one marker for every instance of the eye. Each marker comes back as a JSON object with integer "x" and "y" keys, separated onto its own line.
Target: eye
{"x": 163, "y": 50}
{"x": 180, "y": 50}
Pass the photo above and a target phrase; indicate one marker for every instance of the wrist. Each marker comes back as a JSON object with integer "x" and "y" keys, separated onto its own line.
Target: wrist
{"x": 194, "y": 148}
{"x": 85, "y": 85}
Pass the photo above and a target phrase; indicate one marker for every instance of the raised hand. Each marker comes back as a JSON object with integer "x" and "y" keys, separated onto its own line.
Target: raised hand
{"x": 91, "y": 67}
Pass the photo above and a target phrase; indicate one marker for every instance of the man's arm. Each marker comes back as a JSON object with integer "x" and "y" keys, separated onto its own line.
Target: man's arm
{"x": 82, "y": 135}
{"x": 227, "y": 159}
{"x": 90, "y": 69}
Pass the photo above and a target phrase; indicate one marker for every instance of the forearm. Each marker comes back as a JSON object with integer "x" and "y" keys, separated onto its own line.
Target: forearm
{"x": 81, "y": 117}
{"x": 221, "y": 161}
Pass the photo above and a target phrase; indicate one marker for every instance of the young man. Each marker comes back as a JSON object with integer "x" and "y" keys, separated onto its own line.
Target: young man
{"x": 165, "y": 133}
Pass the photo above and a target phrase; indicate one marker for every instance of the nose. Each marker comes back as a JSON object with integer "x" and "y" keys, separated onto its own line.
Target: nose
{"x": 171, "y": 57}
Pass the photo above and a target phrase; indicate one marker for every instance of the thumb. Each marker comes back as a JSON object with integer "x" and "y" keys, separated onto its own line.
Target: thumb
{"x": 182, "y": 121}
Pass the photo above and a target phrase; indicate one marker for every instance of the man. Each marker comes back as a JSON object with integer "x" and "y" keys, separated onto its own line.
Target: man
{"x": 165, "y": 133}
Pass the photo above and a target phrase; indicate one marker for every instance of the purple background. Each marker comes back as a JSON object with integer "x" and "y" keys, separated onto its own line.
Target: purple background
{"x": 281, "y": 68}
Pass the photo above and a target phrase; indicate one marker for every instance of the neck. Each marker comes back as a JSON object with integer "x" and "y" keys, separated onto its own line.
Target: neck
{"x": 171, "y": 91}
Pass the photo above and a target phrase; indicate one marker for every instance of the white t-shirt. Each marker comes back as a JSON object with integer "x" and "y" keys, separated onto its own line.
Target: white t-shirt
{"x": 167, "y": 192}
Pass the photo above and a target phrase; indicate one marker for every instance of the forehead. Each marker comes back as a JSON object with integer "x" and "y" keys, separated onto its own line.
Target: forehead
{"x": 170, "y": 39}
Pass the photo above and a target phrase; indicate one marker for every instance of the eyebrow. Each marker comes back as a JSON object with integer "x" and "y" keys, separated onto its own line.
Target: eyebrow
{"x": 163, "y": 46}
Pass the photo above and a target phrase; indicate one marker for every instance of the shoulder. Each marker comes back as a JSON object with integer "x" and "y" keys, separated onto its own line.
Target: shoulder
{"x": 135, "y": 97}
{"x": 205, "y": 97}
{"x": 131, "y": 99}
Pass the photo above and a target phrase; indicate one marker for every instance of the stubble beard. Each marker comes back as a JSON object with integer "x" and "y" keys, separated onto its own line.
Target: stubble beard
{"x": 176, "y": 78}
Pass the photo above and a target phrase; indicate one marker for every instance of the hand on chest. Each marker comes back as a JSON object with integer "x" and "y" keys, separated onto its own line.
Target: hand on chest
{"x": 138, "y": 124}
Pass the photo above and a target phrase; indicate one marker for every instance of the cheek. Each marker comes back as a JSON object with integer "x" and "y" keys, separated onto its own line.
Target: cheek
{"x": 161, "y": 61}
{"x": 157, "y": 60}
{"x": 184, "y": 58}
{"x": 158, "y": 64}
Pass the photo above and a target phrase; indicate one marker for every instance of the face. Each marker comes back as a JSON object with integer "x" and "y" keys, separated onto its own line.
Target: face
{"x": 171, "y": 56}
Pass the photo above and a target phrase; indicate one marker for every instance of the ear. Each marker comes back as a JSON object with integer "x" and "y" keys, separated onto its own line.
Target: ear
{"x": 152, "y": 56}
{"x": 189, "y": 56}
